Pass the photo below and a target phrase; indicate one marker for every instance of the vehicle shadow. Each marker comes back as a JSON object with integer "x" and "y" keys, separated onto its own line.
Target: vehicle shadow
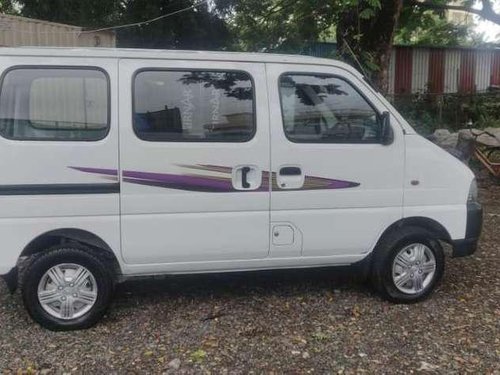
{"x": 241, "y": 284}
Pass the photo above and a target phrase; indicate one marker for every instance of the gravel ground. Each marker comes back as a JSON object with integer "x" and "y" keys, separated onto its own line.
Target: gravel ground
{"x": 275, "y": 322}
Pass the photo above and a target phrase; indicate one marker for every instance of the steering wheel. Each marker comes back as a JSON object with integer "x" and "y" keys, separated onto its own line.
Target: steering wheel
{"x": 341, "y": 130}
{"x": 313, "y": 124}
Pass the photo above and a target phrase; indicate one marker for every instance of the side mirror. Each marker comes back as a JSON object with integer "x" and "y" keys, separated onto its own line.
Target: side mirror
{"x": 386, "y": 135}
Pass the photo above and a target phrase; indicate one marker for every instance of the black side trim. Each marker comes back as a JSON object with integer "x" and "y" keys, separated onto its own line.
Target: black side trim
{"x": 463, "y": 248}
{"x": 468, "y": 245}
{"x": 58, "y": 189}
{"x": 290, "y": 171}
{"x": 474, "y": 220}
{"x": 11, "y": 279}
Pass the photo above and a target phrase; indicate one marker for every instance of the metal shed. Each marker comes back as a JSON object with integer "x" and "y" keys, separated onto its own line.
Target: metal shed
{"x": 443, "y": 70}
{"x": 435, "y": 70}
{"x": 21, "y": 31}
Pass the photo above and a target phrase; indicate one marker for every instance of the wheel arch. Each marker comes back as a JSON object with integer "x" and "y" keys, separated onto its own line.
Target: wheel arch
{"x": 62, "y": 235}
{"x": 88, "y": 240}
{"x": 433, "y": 226}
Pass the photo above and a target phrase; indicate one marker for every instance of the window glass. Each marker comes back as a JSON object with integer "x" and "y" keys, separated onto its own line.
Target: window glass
{"x": 54, "y": 104}
{"x": 206, "y": 106}
{"x": 326, "y": 109}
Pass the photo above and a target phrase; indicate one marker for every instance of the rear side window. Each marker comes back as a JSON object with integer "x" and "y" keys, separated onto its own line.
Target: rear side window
{"x": 61, "y": 104}
{"x": 193, "y": 106}
{"x": 319, "y": 108}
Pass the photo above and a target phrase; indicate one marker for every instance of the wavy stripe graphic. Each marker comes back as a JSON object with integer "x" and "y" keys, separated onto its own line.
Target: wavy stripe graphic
{"x": 213, "y": 184}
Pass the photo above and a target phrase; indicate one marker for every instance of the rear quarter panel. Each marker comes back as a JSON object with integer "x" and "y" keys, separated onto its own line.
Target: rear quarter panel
{"x": 29, "y": 163}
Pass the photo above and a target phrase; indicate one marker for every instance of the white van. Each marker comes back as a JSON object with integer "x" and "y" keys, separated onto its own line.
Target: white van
{"x": 123, "y": 163}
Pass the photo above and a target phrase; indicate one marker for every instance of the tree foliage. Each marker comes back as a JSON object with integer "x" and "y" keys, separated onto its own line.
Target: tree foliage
{"x": 419, "y": 26}
{"x": 7, "y": 6}
{"x": 198, "y": 28}
{"x": 88, "y": 13}
{"x": 486, "y": 12}
{"x": 364, "y": 29}
{"x": 280, "y": 25}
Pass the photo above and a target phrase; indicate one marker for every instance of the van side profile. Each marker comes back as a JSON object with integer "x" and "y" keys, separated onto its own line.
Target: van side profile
{"x": 120, "y": 163}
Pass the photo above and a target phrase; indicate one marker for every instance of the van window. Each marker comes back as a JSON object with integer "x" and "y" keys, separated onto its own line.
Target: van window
{"x": 193, "y": 106}
{"x": 319, "y": 108}
{"x": 62, "y": 104}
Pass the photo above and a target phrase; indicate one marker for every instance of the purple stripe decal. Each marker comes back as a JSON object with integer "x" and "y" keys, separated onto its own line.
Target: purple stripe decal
{"x": 327, "y": 183}
{"x": 185, "y": 182}
{"x": 170, "y": 185}
{"x": 215, "y": 184}
{"x": 109, "y": 172}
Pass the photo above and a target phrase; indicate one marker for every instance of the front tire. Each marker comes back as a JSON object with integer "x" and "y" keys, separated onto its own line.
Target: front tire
{"x": 408, "y": 265}
{"x": 67, "y": 288}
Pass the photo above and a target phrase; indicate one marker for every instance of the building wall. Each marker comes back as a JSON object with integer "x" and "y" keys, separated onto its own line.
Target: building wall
{"x": 20, "y": 31}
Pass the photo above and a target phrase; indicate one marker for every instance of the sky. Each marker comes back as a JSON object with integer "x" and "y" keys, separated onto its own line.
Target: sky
{"x": 491, "y": 30}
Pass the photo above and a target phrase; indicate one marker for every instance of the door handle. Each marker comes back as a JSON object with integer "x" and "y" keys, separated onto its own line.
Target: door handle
{"x": 290, "y": 171}
{"x": 244, "y": 181}
{"x": 290, "y": 177}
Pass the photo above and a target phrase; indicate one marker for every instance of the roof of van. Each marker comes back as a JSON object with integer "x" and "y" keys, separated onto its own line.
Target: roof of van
{"x": 171, "y": 54}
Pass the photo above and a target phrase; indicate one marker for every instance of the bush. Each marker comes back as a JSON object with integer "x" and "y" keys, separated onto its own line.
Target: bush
{"x": 427, "y": 112}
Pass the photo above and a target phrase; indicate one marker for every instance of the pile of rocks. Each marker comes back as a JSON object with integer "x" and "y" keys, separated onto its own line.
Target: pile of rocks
{"x": 461, "y": 143}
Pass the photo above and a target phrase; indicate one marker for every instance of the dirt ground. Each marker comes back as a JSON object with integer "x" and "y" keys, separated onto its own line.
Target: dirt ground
{"x": 278, "y": 322}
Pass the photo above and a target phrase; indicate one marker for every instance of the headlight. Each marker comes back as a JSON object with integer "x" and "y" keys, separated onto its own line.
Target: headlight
{"x": 472, "y": 192}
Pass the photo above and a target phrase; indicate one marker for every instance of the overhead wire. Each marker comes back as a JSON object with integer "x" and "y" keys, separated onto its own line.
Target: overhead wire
{"x": 110, "y": 28}
{"x": 135, "y": 24}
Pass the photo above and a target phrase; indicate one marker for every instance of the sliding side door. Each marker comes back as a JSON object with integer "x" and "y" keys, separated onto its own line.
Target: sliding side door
{"x": 194, "y": 151}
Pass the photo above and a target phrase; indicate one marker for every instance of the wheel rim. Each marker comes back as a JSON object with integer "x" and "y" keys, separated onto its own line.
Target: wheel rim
{"x": 413, "y": 268}
{"x": 67, "y": 291}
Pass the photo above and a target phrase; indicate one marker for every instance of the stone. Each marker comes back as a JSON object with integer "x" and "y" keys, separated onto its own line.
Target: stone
{"x": 465, "y": 145}
{"x": 175, "y": 364}
{"x": 425, "y": 366}
{"x": 441, "y": 133}
{"x": 444, "y": 138}
{"x": 492, "y": 139}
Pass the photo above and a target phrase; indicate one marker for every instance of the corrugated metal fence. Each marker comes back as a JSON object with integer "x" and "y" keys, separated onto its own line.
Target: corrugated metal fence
{"x": 443, "y": 70}
{"x": 434, "y": 70}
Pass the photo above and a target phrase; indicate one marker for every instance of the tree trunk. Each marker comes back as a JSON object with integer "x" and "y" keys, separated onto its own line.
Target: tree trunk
{"x": 368, "y": 42}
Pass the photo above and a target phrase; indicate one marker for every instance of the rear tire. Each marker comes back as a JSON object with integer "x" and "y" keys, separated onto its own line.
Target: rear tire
{"x": 408, "y": 264}
{"x": 67, "y": 288}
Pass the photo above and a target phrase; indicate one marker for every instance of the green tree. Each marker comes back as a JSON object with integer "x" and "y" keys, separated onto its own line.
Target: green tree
{"x": 86, "y": 13}
{"x": 364, "y": 29}
{"x": 424, "y": 27}
{"x": 365, "y": 33}
{"x": 486, "y": 12}
{"x": 7, "y": 6}
{"x": 197, "y": 28}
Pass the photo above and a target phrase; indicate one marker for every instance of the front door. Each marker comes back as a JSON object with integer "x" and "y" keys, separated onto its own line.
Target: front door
{"x": 194, "y": 156}
{"x": 335, "y": 187}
